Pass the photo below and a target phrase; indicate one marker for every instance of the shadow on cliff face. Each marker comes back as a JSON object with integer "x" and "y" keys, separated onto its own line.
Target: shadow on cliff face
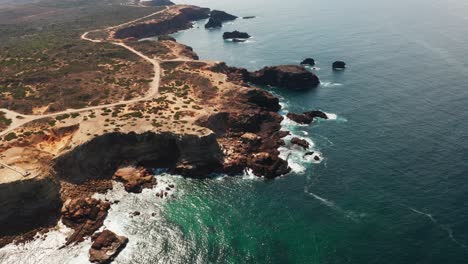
{"x": 189, "y": 155}
{"x": 39, "y": 197}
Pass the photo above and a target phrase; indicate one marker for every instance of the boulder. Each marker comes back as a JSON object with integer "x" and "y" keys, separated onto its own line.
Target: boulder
{"x": 306, "y": 117}
{"x": 135, "y": 179}
{"x": 308, "y": 61}
{"x": 285, "y": 76}
{"x": 300, "y": 142}
{"x": 236, "y": 35}
{"x": 222, "y": 16}
{"x": 213, "y": 23}
{"x": 106, "y": 246}
{"x": 339, "y": 65}
{"x": 268, "y": 165}
{"x": 85, "y": 216}
{"x": 251, "y": 138}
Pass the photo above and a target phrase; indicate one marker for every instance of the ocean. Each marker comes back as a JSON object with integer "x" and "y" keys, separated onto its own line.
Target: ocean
{"x": 393, "y": 183}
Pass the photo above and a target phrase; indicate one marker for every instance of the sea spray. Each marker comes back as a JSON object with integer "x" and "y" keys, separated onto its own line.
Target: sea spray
{"x": 45, "y": 248}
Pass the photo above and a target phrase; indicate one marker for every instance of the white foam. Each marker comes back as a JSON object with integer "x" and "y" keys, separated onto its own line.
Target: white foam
{"x": 45, "y": 249}
{"x": 347, "y": 213}
{"x": 329, "y": 84}
{"x": 331, "y": 116}
{"x": 249, "y": 175}
{"x": 289, "y": 123}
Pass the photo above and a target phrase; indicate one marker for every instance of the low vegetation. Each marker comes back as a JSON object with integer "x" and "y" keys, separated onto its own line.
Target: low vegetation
{"x": 46, "y": 67}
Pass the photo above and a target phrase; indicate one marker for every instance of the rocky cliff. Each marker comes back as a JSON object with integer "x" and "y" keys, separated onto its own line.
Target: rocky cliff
{"x": 99, "y": 158}
{"x": 19, "y": 200}
{"x": 183, "y": 20}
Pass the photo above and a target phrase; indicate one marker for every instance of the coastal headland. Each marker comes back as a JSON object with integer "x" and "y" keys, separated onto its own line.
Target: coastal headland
{"x": 191, "y": 117}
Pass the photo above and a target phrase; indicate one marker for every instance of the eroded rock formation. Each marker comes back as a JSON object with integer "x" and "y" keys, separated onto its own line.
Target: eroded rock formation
{"x": 217, "y": 18}
{"x": 339, "y": 65}
{"x": 181, "y": 21}
{"x": 308, "y": 61}
{"x": 213, "y": 23}
{"x": 85, "y": 216}
{"x": 222, "y": 16}
{"x": 306, "y": 117}
{"x": 196, "y": 156}
{"x": 285, "y": 76}
{"x": 106, "y": 246}
{"x": 300, "y": 142}
{"x": 236, "y": 35}
{"x": 135, "y": 179}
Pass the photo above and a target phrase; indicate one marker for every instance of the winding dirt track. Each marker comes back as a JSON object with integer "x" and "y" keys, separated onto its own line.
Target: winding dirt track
{"x": 19, "y": 120}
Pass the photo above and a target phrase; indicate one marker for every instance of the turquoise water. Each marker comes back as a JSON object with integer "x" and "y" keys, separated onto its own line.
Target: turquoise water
{"x": 394, "y": 184}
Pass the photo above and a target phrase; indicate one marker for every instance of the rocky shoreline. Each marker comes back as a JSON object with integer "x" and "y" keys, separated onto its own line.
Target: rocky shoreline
{"x": 244, "y": 132}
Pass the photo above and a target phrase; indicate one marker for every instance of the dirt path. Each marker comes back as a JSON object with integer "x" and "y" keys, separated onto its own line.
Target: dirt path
{"x": 19, "y": 120}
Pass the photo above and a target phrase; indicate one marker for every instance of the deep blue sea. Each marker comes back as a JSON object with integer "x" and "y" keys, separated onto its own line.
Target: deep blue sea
{"x": 393, "y": 185}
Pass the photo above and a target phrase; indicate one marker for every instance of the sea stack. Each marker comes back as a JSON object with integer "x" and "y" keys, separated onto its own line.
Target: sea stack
{"x": 217, "y": 18}
{"x": 285, "y": 76}
{"x": 307, "y": 117}
{"x": 236, "y": 35}
{"x": 308, "y": 61}
{"x": 213, "y": 23}
{"x": 222, "y": 16}
{"x": 339, "y": 65}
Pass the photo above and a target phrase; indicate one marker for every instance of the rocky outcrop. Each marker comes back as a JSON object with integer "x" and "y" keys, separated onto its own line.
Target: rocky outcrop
{"x": 213, "y": 23}
{"x": 300, "y": 142}
{"x": 339, "y": 65}
{"x": 222, "y": 16}
{"x": 28, "y": 204}
{"x": 285, "y": 76}
{"x": 162, "y": 27}
{"x": 166, "y": 37}
{"x": 196, "y": 156}
{"x": 263, "y": 99}
{"x": 268, "y": 165}
{"x": 248, "y": 129}
{"x": 156, "y": 3}
{"x": 236, "y": 75}
{"x": 308, "y": 61}
{"x": 85, "y": 216}
{"x": 236, "y": 35}
{"x": 135, "y": 179}
{"x": 106, "y": 246}
{"x": 315, "y": 157}
{"x": 217, "y": 18}
{"x": 306, "y": 117}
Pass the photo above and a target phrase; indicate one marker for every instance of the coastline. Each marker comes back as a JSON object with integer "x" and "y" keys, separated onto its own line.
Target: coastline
{"x": 268, "y": 105}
